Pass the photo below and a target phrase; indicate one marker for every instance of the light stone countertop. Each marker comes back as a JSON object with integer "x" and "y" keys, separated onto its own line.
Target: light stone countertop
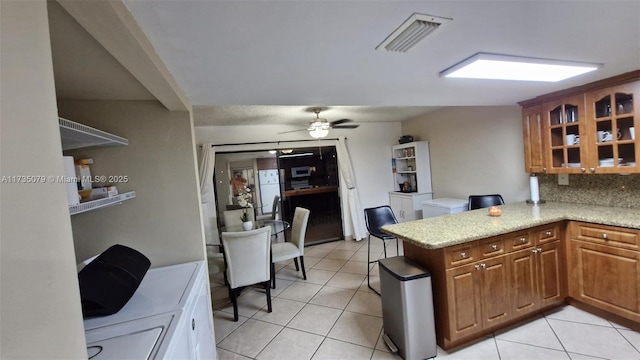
{"x": 443, "y": 231}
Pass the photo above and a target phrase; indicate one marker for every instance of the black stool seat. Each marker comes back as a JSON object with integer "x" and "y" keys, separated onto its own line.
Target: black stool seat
{"x": 376, "y": 218}
{"x": 484, "y": 201}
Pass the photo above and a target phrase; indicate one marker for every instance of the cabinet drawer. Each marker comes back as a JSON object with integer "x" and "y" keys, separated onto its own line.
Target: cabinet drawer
{"x": 519, "y": 240}
{"x": 492, "y": 247}
{"x": 461, "y": 254}
{"x": 545, "y": 234}
{"x": 609, "y": 235}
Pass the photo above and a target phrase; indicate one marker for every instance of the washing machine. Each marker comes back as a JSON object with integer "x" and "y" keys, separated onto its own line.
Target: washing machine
{"x": 156, "y": 323}
{"x": 137, "y": 339}
{"x": 162, "y": 289}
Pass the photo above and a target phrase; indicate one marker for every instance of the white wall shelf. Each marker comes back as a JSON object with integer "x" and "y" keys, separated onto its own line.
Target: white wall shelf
{"x": 75, "y": 136}
{"x": 100, "y": 203}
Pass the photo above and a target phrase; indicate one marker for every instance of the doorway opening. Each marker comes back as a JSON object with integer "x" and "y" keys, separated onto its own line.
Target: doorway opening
{"x": 301, "y": 177}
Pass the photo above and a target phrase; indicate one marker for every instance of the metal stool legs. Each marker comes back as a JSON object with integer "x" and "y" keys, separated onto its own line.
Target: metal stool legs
{"x": 369, "y": 262}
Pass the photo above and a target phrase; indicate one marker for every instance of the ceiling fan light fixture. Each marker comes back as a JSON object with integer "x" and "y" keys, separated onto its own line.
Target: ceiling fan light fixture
{"x": 508, "y": 67}
{"x": 410, "y": 32}
{"x": 318, "y": 132}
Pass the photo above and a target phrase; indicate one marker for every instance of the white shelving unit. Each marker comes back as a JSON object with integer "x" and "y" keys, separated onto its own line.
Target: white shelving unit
{"x": 76, "y": 136}
{"x": 101, "y": 203}
{"x": 411, "y": 166}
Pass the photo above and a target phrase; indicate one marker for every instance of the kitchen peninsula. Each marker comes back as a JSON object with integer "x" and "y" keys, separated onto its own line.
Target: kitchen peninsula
{"x": 492, "y": 272}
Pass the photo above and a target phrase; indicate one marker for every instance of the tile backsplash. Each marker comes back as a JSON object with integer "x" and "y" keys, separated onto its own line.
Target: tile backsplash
{"x": 607, "y": 190}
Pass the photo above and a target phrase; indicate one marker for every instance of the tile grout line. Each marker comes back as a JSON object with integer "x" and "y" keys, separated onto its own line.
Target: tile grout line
{"x": 342, "y": 311}
{"x": 624, "y": 337}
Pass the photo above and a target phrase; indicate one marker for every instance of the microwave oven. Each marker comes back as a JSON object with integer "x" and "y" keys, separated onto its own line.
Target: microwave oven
{"x": 300, "y": 171}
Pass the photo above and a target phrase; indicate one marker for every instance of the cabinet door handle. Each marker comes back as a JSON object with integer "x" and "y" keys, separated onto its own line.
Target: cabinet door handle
{"x": 193, "y": 324}
{"x": 523, "y": 240}
{"x": 583, "y": 170}
{"x": 494, "y": 247}
{"x": 605, "y": 236}
{"x": 592, "y": 170}
{"x": 544, "y": 169}
{"x": 484, "y": 266}
{"x": 477, "y": 267}
{"x": 548, "y": 233}
{"x": 463, "y": 255}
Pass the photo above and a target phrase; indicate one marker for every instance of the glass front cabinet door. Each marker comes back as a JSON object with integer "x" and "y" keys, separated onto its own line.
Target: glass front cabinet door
{"x": 564, "y": 131}
{"x": 613, "y": 114}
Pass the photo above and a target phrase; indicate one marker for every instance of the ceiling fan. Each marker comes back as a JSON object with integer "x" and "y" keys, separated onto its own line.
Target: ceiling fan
{"x": 319, "y": 127}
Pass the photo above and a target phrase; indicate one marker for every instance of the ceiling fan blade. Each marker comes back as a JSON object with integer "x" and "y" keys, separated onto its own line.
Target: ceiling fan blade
{"x": 290, "y": 131}
{"x": 341, "y": 121}
{"x": 345, "y": 126}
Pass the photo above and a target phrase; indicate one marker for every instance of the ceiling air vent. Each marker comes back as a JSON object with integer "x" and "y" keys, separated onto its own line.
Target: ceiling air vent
{"x": 414, "y": 29}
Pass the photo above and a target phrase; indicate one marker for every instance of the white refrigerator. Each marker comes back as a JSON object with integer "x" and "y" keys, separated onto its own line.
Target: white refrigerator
{"x": 269, "y": 182}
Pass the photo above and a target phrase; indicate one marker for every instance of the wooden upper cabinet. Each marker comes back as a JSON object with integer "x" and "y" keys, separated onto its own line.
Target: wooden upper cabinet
{"x": 533, "y": 143}
{"x": 563, "y": 126}
{"x": 612, "y": 115}
{"x": 585, "y": 129}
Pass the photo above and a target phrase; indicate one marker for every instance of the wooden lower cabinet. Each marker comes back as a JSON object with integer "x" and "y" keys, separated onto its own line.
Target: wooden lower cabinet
{"x": 606, "y": 277}
{"x": 476, "y": 293}
{"x": 465, "y": 312}
{"x": 480, "y": 295}
{"x": 537, "y": 278}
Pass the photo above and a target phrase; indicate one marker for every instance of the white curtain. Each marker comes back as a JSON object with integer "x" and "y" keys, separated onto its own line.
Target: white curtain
{"x": 208, "y": 202}
{"x": 353, "y": 196}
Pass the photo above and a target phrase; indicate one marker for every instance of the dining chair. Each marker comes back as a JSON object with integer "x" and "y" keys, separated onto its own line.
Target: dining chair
{"x": 294, "y": 248}
{"x": 484, "y": 201}
{"x": 234, "y": 217}
{"x": 215, "y": 260}
{"x": 275, "y": 207}
{"x": 248, "y": 262}
{"x": 375, "y": 218}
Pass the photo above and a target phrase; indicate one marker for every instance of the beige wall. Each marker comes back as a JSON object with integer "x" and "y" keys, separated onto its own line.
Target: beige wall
{"x": 474, "y": 150}
{"x": 163, "y": 221}
{"x": 40, "y": 313}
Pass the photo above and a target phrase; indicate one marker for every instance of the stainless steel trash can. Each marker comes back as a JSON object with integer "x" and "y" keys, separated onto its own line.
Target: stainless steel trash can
{"x": 407, "y": 308}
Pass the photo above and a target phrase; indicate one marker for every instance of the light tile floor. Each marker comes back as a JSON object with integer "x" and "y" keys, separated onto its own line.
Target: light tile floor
{"x": 334, "y": 315}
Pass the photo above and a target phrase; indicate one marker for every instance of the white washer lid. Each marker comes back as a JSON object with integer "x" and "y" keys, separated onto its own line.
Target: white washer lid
{"x": 446, "y": 203}
{"x": 143, "y": 338}
{"x": 130, "y": 346}
{"x": 162, "y": 289}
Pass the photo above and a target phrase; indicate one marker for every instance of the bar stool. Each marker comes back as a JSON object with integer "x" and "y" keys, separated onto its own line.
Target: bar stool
{"x": 484, "y": 201}
{"x": 375, "y": 218}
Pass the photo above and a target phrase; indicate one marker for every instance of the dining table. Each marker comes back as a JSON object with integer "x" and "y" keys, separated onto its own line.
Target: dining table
{"x": 277, "y": 226}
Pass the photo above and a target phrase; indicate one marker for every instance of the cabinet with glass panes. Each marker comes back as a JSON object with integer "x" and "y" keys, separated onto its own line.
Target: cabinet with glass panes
{"x": 563, "y": 129}
{"x": 613, "y": 114}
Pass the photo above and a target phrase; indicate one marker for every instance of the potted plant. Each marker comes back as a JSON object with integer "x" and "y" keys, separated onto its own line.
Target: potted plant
{"x": 244, "y": 200}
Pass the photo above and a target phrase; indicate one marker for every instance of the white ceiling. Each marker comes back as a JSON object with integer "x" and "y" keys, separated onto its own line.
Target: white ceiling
{"x": 247, "y": 62}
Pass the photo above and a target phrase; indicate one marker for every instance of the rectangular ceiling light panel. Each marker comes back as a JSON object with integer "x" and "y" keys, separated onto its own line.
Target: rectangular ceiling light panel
{"x": 506, "y": 67}
{"x": 410, "y": 32}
